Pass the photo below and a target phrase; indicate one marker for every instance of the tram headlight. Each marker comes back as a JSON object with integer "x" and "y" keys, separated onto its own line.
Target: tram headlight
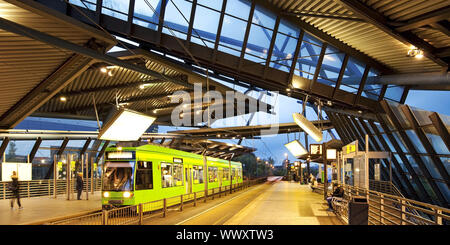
{"x": 127, "y": 194}
{"x": 105, "y": 194}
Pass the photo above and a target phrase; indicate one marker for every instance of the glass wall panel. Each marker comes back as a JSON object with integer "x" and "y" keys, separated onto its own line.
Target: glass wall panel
{"x": 84, "y": 4}
{"x": 400, "y": 141}
{"x": 431, "y": 167}
{"x": 263, "y": 17}
{"x": 216, "y": 4}
{"x": 144, "y": 14}
{"x": 18, "y": 150}
{"x": 176, "y": 18}
{"x": 446, "y": 162}
{"x": 437, "y": 143}
{"x": 352, "y": 75}
{"x": 394, "y": 92}
{"x": 416, "y": 142}
{"x": 444, "y": 190}
{"x": 205, "y": 25}
{"x": 288, "y": 29}
{"x": 233, "y": 31}
{"x": 372, "y": 90}
{"x": 308, "y": 58}
{"x": 116, "y": 8}
{"x": 391, "y": 147}
{"x": 238, "y": 8}
{"x": 331, "y": 65}
{"x": 258, "y": 43}
{"x": 283, "y": 52}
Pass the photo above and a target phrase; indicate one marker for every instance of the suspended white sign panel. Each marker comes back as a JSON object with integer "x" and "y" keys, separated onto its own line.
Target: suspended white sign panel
{"x": 23, "y": 170}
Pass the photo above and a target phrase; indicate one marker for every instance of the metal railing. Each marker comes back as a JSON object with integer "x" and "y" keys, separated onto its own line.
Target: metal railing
{"x": 387, "y": 209}
{"x": 46, "y": 187}
{"x": 384, "y": 187}
{"x": 136, "y": 214}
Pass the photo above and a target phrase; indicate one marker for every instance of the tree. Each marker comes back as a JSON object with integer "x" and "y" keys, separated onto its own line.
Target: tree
{"x": 12, "y": 151}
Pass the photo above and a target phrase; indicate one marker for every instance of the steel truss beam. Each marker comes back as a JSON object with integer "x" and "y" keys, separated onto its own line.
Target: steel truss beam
{"x": 35, "y": 149}
{"x": 102, "y": 151}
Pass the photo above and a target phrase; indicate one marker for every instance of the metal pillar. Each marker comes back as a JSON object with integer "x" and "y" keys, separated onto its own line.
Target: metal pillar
{"x": 325, "y": 174}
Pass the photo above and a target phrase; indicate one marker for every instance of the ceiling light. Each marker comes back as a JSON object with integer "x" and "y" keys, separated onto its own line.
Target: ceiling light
{"x": 110, "y": 73}
{"x": 103, "y": 70}
{"x": 296, "y": 148}
{"x": 63, "y": 99}
{"x": 126, "y": 125}
{"x": 415, "y": 52}
{"x": 307, "y": 126}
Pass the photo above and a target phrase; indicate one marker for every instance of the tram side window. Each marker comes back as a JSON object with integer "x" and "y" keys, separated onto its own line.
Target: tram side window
{"x": 233, "y": 173}
{"x": 226, "y": 174}
{"x": 144, "y": 175}
{"x": 171, "y": 174}
{"x": 198, "y": 174}
{"x": 212, "y": 174}
{"x": 239, "y": 173}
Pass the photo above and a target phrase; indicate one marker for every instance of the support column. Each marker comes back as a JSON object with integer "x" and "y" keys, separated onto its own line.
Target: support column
{"x": 325, "y": 174}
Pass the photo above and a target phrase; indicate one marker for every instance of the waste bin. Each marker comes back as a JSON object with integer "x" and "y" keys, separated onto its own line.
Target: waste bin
{"x": 358, "y": 211}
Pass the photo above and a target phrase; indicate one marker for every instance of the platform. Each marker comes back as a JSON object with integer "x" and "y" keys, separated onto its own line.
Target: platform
{"x": 37, "y": 209}
{"x": 277, "y": 203}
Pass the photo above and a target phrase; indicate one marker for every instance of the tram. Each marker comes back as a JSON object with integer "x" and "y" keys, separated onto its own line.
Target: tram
{"x": 134, "y": 175}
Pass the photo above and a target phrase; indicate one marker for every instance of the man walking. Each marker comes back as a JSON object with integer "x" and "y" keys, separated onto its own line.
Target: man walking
{"x": 14, "y": 188}
{"x": 79, "y": 185}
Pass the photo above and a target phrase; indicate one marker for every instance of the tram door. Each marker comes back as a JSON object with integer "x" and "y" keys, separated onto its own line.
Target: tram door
{"x": 188, "y": 178}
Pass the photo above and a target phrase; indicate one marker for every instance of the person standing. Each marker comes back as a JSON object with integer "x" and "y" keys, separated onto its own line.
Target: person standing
{"x": 14, "y": 188}
{"x": 79, "y": 185}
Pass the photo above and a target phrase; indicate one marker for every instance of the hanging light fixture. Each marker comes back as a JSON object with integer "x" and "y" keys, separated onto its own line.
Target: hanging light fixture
{"x": 307, "y": 126}
{"x": 126, "y": 125}
{"x": 296, "y": 148}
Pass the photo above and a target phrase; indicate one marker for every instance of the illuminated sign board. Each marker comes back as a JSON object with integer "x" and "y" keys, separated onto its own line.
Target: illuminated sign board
{"x": 120, "y": 155}
{"x": 177, "y": 160}
{"x": 350, "y": 148}
{"x": 331, "y": 154}
{"x": 315, "y": 149}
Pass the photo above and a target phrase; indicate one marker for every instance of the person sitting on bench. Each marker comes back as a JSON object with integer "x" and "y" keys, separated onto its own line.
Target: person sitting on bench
{"x": 338, "y": 193}
{"x": 314, "y": 184}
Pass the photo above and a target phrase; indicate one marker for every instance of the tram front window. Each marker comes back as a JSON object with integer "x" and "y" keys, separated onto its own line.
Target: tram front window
{"x": 118, "y": 177}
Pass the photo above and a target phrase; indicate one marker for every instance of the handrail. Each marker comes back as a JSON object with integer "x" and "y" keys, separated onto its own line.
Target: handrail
{"x": 396, "y": 209}
{"x": 136, "y": 214}
{"x": 45, "y": 187}
{"x": 389, "y": 188}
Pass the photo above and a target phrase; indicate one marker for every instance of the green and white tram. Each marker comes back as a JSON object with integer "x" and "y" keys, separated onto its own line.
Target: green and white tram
{"x": 134, "y": 175}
